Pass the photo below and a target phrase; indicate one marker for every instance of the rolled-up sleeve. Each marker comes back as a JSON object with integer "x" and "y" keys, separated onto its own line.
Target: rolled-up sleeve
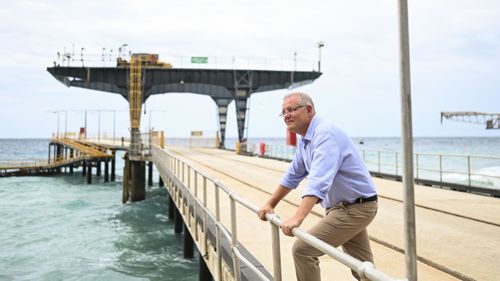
{"x": 324, "y": 165}
{"x": 295, "y": 173}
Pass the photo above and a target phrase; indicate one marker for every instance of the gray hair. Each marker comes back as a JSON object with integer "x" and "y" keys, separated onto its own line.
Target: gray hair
{"x": 304, "y": 98}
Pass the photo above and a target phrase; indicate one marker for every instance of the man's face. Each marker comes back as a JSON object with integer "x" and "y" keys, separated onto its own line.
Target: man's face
{"x": 297, "y": 121}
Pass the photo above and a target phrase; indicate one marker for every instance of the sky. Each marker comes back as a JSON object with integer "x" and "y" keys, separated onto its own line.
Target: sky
{"x": 454, "y": 52}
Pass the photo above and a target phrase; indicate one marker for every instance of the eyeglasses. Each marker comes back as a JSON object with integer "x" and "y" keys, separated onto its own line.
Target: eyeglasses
{"x": 290, "y": 110}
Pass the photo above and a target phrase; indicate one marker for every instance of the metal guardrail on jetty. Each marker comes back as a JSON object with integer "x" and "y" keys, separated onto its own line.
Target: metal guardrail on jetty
{"x": 459, "y": 172}
{"x": 192, "y": 200}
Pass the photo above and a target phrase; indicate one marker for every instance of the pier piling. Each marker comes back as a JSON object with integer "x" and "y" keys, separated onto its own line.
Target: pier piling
{"x": 89, "y": 173}
{"x": 204, "y": 272}
{"x": 178, "y": 220}
{"x": 171, "y": 208}
{"x": 98, "y": 168}
{"x": 106, "y": 171}
{"x": 150, "y": 173}
{"x": 188, "y": 243}
{"x": 84, "y": 168}
{"x": 113, "y": 164}
{"x": 137, "y": 181}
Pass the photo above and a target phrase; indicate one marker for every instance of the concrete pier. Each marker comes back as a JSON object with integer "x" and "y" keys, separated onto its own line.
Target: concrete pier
{"x": 137, "y": 181}
{"x": 456, "y": 232}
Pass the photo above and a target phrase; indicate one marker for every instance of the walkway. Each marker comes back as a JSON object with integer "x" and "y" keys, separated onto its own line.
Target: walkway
{"x": 78, "y": 152}
{"x": 457, "y": 233}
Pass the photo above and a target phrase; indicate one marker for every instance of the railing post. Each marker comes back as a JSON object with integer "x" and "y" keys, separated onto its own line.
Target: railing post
{"x": 218, "y": 248}
{"x": 275, "y": 232}
{"x": 416, "y": 164}
{"x": 189, "y": 177}
{"x": 468, "y": 169}
{"x": 397, "y": 168}
{"x": 205, "y": 211}
{"x": 378, "y": 153}
{"x": 218, "y": 234}
{"x": 440, "y": 168}
{"x": 234, "y": 239}
{"x": 195, "y": 184}
{"x": 183, "y": 168}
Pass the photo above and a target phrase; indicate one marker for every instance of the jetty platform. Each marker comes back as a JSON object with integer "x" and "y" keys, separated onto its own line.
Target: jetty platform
{"x": 457, "y": 233}
{"x": 68, "y": 154}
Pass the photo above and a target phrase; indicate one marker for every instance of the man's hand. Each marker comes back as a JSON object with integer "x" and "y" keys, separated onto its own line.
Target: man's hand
{"x": 266, "y": 208}
{"x": 289, "y": 224}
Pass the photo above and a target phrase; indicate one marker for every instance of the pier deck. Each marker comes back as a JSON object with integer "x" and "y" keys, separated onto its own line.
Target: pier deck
{"x": 80, "y": 152}
{"x": 457, "y": 233}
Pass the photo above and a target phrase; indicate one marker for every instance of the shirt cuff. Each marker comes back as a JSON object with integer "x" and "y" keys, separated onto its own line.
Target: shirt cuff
{"x": 314, "y": 193}
{"x": 288, "y": 183}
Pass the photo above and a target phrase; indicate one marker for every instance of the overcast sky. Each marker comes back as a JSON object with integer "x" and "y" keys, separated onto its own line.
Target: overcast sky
{"x": 455, "y": 61}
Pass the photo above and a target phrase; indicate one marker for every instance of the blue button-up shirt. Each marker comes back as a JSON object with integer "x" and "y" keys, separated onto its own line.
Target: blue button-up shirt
{"x": 336, "y": 172}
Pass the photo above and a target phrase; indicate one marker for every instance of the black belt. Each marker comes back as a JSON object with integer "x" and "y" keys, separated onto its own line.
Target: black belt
{"x": 362, "y": 200}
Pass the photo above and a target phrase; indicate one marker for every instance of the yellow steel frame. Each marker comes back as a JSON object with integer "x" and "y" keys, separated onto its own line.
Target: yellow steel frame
{"x": 135, "y": 94}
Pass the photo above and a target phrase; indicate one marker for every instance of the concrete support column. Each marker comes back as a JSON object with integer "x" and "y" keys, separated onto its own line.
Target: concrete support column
{"x": 71, "y": 155}
{"x": 113, "y": 160}
{"x": 178, "y": 221}
{"x": 89, "y": 172}
{"x": 150, "y": 173}
{"x": 59, "y": 156}
{"x": 188, "y": 244}
{"x": 171, "y": 208}
{"x": 50, "y": 146}
{"x": 204, "y": 273}
{"x": 106, "y": 170}
{"x": 98, "y": 168}
{"x": 84, "y": 168}
{"x": 126, "y": 180}
{"x": 137, "y": 181}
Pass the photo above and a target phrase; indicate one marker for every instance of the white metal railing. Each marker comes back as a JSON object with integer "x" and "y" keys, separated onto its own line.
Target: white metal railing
{"x": 444, "y": 168}
{"x": 175, "y": 168}
{"x": 290, "y": 63}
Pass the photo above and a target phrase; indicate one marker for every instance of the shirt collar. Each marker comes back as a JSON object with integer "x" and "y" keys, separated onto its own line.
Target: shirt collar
{"x": 310, "y": 130}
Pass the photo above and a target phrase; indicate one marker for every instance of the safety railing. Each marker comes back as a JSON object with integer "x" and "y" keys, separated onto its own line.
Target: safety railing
{"x": 444, "y": 168}
{"x": 467, "y": 170}
{"x": 23, "y": 163}
{"x": 175, "y": 170}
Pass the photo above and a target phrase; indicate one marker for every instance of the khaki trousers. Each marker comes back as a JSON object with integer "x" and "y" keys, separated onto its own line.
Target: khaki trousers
{"x": 342, "y": 226}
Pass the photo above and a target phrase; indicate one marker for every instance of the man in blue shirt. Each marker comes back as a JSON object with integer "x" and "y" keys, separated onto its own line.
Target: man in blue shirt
{"x": 337, "y": 179}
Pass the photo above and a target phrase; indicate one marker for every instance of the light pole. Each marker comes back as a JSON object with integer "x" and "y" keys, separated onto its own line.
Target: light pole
{"x": 320, "y": 45}
{"x": 102, "y": 56}
{"x": 81, "y": 56}
{"x": 65, "y": 123}
{"x": 99, "y": 126}
{"x": 151, "y": 115}
{"x": 57, "y": 122}
{"x": 85, "y": 124}
{"x": 410, "y": 240}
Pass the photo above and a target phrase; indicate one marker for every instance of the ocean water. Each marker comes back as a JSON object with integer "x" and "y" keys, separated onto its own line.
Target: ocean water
{"x": 60, "y": 228}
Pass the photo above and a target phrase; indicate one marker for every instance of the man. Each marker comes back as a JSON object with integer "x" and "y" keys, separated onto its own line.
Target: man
{"x": 337, "y": 179}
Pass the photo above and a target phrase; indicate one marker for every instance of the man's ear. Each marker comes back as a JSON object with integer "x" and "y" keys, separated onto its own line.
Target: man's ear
{"x": 309, "y": 109}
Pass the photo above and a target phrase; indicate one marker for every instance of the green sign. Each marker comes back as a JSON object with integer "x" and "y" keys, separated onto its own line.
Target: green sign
{"x": 199, "y": 59}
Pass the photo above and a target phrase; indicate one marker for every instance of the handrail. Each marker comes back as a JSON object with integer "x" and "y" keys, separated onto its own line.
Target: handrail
{"x": 365, "y": 270}
{"x": 428, "y": 166}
